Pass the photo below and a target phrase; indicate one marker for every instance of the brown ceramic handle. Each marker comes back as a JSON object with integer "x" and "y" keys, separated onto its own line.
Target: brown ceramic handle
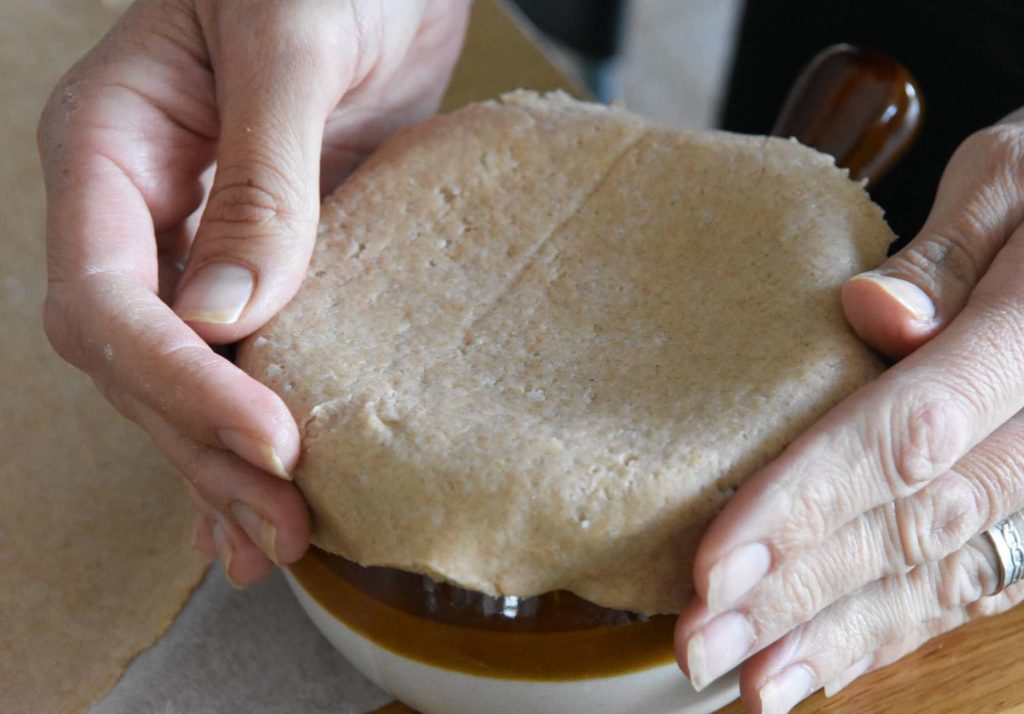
{"x": 860, "y": 106}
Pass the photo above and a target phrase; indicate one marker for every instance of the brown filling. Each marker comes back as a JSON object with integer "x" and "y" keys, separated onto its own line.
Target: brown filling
{"x": 554, "y": 636}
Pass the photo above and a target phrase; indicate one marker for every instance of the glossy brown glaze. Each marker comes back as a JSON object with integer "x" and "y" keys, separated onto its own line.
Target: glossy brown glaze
{"x": 556, "y": 636}
{"x": 862, "y": 107}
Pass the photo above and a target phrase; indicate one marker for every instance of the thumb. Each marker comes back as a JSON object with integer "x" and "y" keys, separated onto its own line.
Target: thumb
{"x": 917, "y": 292}
{"x": 257, "y": 231}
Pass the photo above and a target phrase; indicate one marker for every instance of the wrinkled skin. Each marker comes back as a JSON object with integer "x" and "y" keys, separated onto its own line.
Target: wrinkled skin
{"x": 861, "y": 541}
{"x": 855, "y": 546}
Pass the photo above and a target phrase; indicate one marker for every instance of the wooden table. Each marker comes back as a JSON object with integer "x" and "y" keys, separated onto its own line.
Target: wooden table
{"x": 972, "y": 670}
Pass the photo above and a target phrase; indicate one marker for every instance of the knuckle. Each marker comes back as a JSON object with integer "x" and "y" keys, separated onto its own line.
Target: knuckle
{"x": 945, "y": 259}
{"x": 257, "y": 197}
{"x": 926, "y": 434}
{"x": 938, "y": 521}
{"x": 811, "y": 515}
{"x": 965, "y": 577}
{"x": 69, "y": 106}
{"x": 58, "y": 108}
{"x": 996, "y": 603}
{"x": 995, "y": 474}
{"x": 801, "y": 592}
{"x": 897, "y": 605}
{"x": 988, "y": 606}
{"x": 250, "y": 203}
{"x": 245, "y": 204}
{"x": 54, "y": 127}
{"x": 903, "y": 553}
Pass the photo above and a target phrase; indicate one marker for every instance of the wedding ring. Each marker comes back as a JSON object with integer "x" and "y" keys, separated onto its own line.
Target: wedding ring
{"x": 1007, "y": 538}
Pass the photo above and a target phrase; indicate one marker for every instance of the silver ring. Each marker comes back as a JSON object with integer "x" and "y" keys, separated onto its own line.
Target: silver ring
{"x": 1007, "y": 538}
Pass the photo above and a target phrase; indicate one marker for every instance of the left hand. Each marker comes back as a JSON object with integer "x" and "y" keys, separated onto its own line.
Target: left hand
{"x": 185, "y": 156}
{"x": 865, "y": 538}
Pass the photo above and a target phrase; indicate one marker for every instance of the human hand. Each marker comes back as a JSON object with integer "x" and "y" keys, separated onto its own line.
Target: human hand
{"x": 864, "y": 539}
{"x": 284, "y": 98}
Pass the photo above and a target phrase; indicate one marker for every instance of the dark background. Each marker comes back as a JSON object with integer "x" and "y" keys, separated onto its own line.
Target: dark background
{"x": 967, "y": 55}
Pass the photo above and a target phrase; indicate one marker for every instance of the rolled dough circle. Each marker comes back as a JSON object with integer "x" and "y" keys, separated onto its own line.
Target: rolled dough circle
{"x": 541, "y": 341}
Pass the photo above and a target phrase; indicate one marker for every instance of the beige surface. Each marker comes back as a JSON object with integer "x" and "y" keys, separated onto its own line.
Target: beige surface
{"x": 501, "y": 53}
{"x": 540, "y": 341}
{"x": 94, "y": 531}
{"x": 676, "y": 58}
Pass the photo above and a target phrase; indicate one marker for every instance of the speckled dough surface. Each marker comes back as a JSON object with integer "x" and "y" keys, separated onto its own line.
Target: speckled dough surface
{"x": 541, "y": 341}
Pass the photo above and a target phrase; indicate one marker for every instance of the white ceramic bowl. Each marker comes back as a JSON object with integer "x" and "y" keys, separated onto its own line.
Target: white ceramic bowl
{"x": 441, "y": 676}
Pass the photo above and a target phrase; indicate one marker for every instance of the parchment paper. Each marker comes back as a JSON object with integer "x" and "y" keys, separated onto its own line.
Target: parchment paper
{"x": 95, "y": 558}
{"x": 251, "y": 651}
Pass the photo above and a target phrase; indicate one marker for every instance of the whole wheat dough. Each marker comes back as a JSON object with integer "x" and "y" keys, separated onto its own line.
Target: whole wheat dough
{"x": 541, "y": 341}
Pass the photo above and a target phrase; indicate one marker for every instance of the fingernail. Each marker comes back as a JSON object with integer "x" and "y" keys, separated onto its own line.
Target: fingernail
{"x": 786, "y": 689}
{"x": 913, "y": 298}
{"x": 217, "y": 294}
{"x": 261, "y": 530}
{"x": 721, "y": 645}
{"x": 254, "y": 450}
{"x": 225, "y": 550}
{"x": 848, "y": 675}
{"x": 736, "y": 574}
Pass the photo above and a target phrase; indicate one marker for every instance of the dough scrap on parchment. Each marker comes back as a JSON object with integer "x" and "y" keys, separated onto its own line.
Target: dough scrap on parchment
{"x": 95, "y": 553}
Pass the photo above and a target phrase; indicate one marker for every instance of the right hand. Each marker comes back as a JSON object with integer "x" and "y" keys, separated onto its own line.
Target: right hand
{"x": 277, "y": 101}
